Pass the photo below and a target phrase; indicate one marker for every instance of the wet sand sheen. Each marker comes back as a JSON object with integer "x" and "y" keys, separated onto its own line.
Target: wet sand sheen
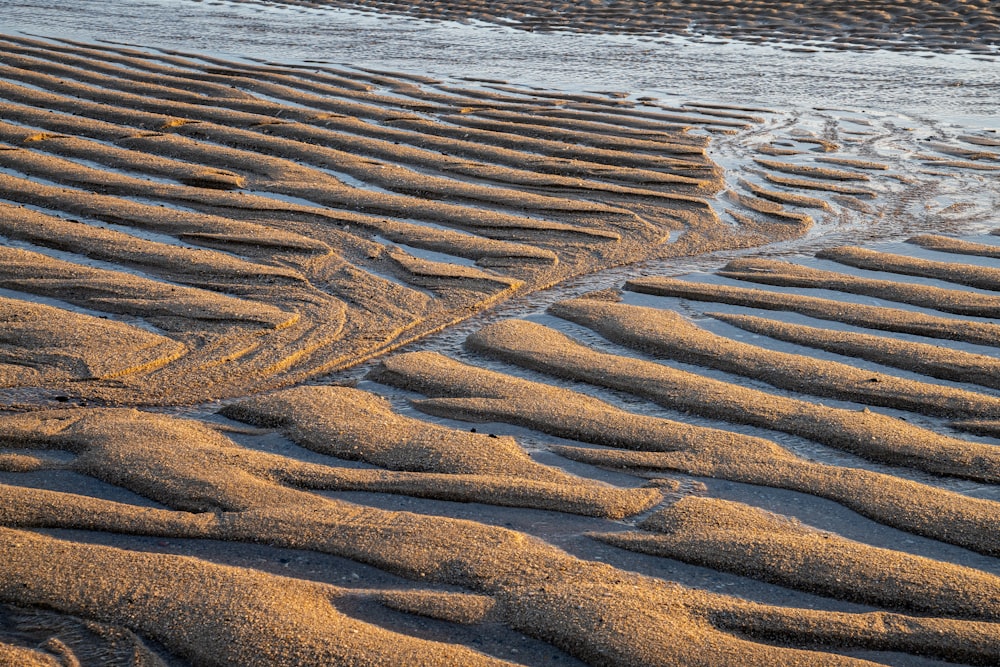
{"x": 922, "y": 24}
{"x": 177, "y": 229}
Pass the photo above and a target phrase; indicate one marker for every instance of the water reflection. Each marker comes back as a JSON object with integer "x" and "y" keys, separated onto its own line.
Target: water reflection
{"x": 956, "y": 88}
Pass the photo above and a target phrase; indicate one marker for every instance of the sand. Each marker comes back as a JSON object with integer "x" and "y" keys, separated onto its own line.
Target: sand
{"x": 471, "y": 394}
{"x": 872, "y": 317}
{"x": 214, "y": 449}
{"x": 864, "y": 433}
{"x": 744, "y": 539}
{"x": 295, "y": 208}
{"x": 666, "y": 334}
{"x": 572, "y": 609}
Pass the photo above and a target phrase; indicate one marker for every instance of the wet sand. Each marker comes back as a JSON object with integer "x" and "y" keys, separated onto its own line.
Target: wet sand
{"x": 921, "y": 24}
{"x": 214, "y": 452}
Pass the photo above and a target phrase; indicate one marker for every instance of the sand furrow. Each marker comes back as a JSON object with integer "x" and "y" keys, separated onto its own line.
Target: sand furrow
{"x": 571, "y": 144}
{"x": 219, "y": 240}
{"x": 872, "y": 317}
{"x": 122, "y": 293}
{"x": 40, "y": 344}
{"x": 121, "y": 159}
{"x": 190, "y": 107}
{"x": 190, "y": 607}
{"x": 570, "y": 609}
{"x": 331, "y": 191}
{"x": 306, "y": 181}
{"x": 786, "y": 274}
{"x": 549, "y": 156}
{"x": 739, "y": 538}
{"x": 223, "y": 233}
{"x": 457, "y": 153}
{"x": 200, "y": 268}
{"x": 867, "y": 434}
{"x": 931, "y": 360}
{"x": 641, "y": 116}
{"x": 468, "y": 393}
{"x": 982, "y": 277}
{"x": 667, "y": 334}
{"x": 340, "y": 422}
{"x": 280, "y": 176}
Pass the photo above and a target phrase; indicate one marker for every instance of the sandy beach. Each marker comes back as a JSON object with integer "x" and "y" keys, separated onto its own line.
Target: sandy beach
{"x": 311, "y": 362}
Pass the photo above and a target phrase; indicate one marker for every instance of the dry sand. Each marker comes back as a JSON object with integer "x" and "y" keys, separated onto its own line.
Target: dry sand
{"x": 206, "y": 240}
{"x": 733, "y": 536}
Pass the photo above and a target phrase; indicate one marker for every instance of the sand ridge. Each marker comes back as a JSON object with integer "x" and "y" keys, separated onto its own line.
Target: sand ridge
{"x": 468, "y": 393}
{"x": 666, "y": 334}
{"x": 571, "y": 609}
{"x": 300, "y": 221}
{"x": 728, "y": 535}
{"x": 867, "y": 434}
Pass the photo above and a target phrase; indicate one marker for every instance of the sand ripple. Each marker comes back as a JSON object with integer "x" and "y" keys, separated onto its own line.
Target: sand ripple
{"x": 689, "y": 471}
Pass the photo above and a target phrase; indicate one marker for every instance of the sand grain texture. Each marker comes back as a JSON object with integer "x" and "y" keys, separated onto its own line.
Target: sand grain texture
{"x": 740, "y": 538}
{"x": 301, "y": 221}
{"x": 867, "y": 434}
{"x": 641, "y": 442}
{"x": 152, "y": 593}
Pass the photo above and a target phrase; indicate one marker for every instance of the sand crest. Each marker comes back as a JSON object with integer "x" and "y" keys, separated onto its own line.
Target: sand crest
{"x": 300, "y": 221}
{"x": 465, "y": 392}
{"x": 733, "y": 536}
{"x": 867, "y": 434}
{"x": 154, "y": 592}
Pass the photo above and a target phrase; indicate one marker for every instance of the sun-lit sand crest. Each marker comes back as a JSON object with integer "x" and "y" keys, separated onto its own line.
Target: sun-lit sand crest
{"x": 784, "y": 462}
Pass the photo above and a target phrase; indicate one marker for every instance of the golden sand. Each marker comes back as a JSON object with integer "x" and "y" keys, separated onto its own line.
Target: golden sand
{"x": 666, "y": 334}
{"x": 983, "y": 277}
{"x": 247, "y": 616}
{"x": 867, "y": 434}
{"x": 736, "y": 537}
{"x": 472, "y": 394}
{"x": 931, "y": 360}
{"x": 259, "y": 208}
{"x": 770, "y": 272}
{"x": 191, "y": 244}
{"x": 858, "y": 314}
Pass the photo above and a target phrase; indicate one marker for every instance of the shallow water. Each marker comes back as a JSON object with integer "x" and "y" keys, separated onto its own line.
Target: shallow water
{"x": 954, "y": 88}
{"x": 877, "y": 104}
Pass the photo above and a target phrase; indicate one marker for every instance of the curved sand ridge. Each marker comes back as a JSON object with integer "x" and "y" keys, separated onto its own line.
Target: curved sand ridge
{"x": 735, "y": 536}
{"x": 246, "y": 616}
{"x": 921, "y": 24}
{"x": 732, "y": 536}
{"x": 275, "y": 223}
